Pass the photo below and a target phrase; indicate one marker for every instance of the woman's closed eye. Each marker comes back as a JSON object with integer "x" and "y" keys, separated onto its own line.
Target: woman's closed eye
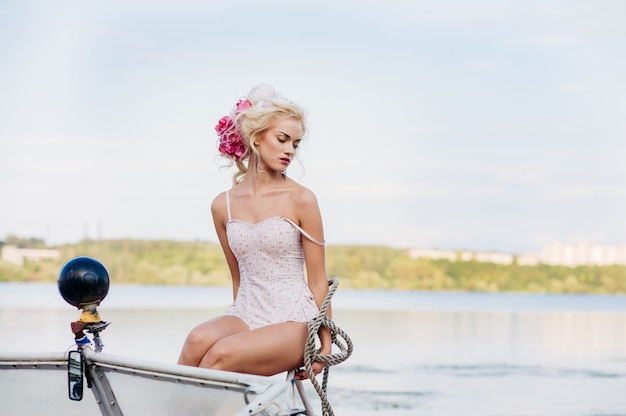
{"x": 296, "y": 143}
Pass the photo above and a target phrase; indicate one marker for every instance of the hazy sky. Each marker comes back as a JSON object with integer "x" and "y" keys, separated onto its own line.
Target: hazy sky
{"x": 482, "y": 125}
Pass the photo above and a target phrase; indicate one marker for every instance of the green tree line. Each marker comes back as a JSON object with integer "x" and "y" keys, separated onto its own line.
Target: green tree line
{"x": 358, "y": 267}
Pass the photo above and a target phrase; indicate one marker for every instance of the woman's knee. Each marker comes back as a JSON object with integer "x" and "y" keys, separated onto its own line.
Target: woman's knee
{"x": 198, "y": 341}
{"x": 198, "y": 337}
{"x": 218, "y": 356}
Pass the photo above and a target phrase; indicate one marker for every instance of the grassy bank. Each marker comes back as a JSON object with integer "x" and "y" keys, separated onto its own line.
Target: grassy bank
{"x": 358, "y": 267}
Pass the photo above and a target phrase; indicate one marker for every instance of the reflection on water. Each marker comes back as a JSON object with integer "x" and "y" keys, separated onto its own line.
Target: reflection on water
{"x": 463, "y": 354}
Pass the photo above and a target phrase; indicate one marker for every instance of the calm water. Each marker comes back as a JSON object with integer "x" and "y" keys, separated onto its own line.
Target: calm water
{"x": 416, "y": 353}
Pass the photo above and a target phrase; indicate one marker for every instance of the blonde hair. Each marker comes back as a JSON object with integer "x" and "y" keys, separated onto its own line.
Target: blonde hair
{"x": 265, "y": 106}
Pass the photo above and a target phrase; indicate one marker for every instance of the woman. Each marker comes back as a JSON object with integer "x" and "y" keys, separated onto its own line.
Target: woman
{"x": 270, "y": 230}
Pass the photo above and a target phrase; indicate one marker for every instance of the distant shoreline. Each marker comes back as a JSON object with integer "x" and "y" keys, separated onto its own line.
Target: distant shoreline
{"x": 175, "y": 263}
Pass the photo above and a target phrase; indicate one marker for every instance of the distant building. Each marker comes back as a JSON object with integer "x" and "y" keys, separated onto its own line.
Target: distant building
{"x": 433, "y": 254}
{"x": 583, "y": 254}
{"x": 493, "y": 257}
{"x": 528, "y": 259}
{"x": 553, "y": 254}
{"x": 16, "y": 255}
{"x": 486, "y": 257}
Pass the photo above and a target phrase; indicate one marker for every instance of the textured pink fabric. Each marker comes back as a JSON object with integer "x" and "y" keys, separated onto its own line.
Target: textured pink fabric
{"x": 271, "y": 266}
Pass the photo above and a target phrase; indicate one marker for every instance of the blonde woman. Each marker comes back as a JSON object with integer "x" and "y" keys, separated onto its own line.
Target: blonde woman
{"x": 270, "y": 229}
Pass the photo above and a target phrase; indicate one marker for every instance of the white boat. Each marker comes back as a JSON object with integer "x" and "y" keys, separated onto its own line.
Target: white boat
{"x": 41, "y": 384}
{"x": 57, "y": 383}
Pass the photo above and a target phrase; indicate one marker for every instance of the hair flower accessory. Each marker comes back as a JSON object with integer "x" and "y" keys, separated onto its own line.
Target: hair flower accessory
{"x": 243, "y": 104}
{"x": 231, "y": 143}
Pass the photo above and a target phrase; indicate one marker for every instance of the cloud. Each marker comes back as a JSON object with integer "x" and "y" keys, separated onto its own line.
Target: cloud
{"x": 428, "y": 123}
{"x": 582, "y": 88}
{"x": 555, "y": 40}
{"x": 578, "y": 192}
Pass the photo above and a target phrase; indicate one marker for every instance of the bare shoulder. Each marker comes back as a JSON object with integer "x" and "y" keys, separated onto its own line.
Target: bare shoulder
{"x": 218, "y": 206}
{"x": 306, "y": 211}
{"x": 304, "y": 197}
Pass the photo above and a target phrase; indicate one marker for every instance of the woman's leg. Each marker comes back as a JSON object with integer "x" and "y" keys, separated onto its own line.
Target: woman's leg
{"x": 265, "y": 351}
{"x": 204, "y": 336}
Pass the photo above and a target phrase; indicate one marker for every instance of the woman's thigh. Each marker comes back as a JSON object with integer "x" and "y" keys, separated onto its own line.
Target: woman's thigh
{"x": 203, "y": 337}
{"x": 220, "y": 327}
{"x": 268, "y": 350}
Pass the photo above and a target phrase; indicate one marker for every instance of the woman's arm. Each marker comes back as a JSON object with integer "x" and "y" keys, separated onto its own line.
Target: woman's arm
{"x": 220, "y": 218}
{"x": 314, "y": 256}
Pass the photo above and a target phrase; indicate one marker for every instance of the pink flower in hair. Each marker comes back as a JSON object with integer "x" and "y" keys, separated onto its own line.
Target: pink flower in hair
{"x": 243, "y": 104}
{"x": 231, "y": 143}
{"x": 225, "y": 124}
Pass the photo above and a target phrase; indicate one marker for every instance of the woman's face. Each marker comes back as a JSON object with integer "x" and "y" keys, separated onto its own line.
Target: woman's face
{"x": 277, "y": 146}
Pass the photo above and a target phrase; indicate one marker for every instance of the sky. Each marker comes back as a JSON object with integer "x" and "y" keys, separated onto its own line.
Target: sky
{"x": 482, "y": 125}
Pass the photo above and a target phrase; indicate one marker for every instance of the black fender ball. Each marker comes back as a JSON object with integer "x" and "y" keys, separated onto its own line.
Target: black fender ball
{"x": 82, "y": 281}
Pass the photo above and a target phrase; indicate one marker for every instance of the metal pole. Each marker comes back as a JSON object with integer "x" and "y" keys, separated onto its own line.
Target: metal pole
{"x": 102, "y": 391}
{"x": 305, "y": 400}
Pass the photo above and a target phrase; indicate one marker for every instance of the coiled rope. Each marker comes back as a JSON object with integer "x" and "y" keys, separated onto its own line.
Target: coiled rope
{"x": 311, "y": 354}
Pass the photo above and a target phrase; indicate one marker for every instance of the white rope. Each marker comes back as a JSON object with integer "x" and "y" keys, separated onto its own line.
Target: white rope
{"x": 311, "y": 354}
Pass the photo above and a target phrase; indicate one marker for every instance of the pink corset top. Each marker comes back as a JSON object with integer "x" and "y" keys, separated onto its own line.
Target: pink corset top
{"x": 272, "y": 286}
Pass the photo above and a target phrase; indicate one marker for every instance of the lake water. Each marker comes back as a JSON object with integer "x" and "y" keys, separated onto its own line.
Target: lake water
{"x": 416, "y": 353}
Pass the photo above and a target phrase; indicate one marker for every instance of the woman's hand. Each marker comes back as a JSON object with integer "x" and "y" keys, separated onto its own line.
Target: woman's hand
{"x": 317, "y": 368}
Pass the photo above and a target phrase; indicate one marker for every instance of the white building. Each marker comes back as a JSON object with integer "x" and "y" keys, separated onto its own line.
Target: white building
{"x": 16, "y": 255}
{"x": 528, "y": 259}
{"x": 553, "y": 254}
{"x": 416, "y": 253}
{"x": 583, "y": 254}
{"x": 485, "y": 257}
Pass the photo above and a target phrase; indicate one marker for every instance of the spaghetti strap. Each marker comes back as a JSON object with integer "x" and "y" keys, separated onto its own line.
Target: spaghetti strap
{"x": 228, "y": 204}
{"x": 304, "y": 233}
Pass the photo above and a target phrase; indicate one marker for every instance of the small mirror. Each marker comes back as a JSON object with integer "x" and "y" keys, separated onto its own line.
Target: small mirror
{"x": 75, "y": 371}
